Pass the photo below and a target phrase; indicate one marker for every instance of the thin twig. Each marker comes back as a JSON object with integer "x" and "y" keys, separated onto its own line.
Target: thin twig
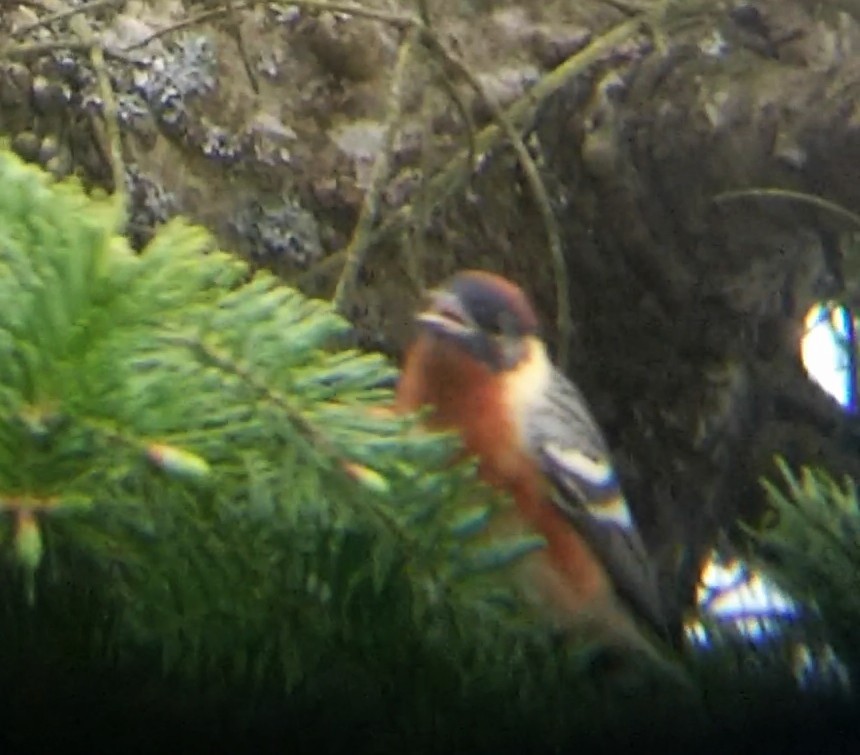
{"x": 357, "y": 248}
{"x": 111, "y": 122}
{"x": 655, "y": 18}
{"x": 541, "y": 196}
{"x": 25, "y": 3}
{"x": 398, "y": 20}
{"x": 456, "y": 98}
{"x": 236, "y": 33}
{"x": 628, "y": 9}
{"x": 564, "y": 321}
{"x": 454, "y": 174}
{"x": 463, "y": 111}
{"x": 35, "y": 49}
{"x": 82, "y": 29}
{"x": 184, "y": 23}
{"x": 794, "y": 196}
{"x": 518, "y": 112}
{"x": 64, "y": 14}
{"x": 417, "y": 251}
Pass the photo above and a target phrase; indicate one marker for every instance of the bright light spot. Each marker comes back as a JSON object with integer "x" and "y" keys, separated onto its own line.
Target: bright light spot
{"x": 745, "y": 603}
{"x": 828, "y": 351}
{"x": 742, "y": 600}
{"x": 738, "y": 600}
{"x": 753, "y": 593}
{"x": 811, "y": 668}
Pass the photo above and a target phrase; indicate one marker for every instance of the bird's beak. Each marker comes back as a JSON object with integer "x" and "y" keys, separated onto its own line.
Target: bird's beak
{"x": 445, "y": 315}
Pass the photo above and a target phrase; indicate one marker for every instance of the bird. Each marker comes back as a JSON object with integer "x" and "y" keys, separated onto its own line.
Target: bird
{"x": 479, "y": 366}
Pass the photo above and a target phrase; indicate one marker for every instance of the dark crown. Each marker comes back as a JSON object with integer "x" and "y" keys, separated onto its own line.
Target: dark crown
{"x": 496, "y": 304}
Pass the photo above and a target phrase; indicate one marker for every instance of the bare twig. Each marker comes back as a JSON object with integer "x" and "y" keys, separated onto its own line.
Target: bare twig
{"x": 25, "y": 3}
{"x": 82, "y": 29}
{"x": 541, "y": 197}
{"x": 456, "y": 171}
{"x": 507, "y": 123}
{"x": 463, "y": 111}
{"x": 416, "y": 253}
{"x": 236, "y": 33}
{"x": 359, "y": 242}
{"x": 112, "y": 128}
{"x": 793, "y": 196}
{"x": 417, "y": 247}
{"x": 628, "y": 9}
{"x": 453, "y": 174}
{"x": 35, "y": 49}
{"x": 185, "y": 23}
{"x": 65, "y": 14}
{"x": 398, "y": 20}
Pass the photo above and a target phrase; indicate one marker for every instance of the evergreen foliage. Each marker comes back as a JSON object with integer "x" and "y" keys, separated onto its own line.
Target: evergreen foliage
{"x": 197, "y": 479}
{"x": 813, "y": 551}
{"x": 180, "y": 424}
{"x": 193, "y": 472}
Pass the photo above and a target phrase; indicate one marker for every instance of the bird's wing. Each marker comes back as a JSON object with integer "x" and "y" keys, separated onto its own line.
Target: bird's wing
{"x": 574, "y": 456}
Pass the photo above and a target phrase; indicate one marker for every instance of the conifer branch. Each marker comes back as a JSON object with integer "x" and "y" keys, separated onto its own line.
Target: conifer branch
{"x": 813, "y": 550}
{"x": 280, "y": 566}
{"x": 317, "y": 440}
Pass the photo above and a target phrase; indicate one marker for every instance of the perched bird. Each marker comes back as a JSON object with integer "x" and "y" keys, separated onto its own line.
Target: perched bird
{"x": 479, "y": 362}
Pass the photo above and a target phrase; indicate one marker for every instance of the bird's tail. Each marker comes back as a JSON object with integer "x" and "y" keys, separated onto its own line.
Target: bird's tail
{"x": 619, "y": 631}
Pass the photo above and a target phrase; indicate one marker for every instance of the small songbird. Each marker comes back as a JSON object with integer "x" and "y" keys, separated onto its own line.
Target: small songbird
{"x": 479, "y": 363}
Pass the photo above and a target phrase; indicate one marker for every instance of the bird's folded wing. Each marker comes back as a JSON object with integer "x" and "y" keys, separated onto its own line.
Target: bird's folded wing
{"x": 586, "y": 490}
{"x": 574, "y": 457}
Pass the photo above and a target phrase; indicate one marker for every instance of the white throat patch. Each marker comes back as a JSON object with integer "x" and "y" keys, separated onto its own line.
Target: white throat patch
{"x": 525, "y": 385}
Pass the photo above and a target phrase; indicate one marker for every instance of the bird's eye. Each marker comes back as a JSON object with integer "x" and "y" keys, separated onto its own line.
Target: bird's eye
{"x": 505, "y": 326}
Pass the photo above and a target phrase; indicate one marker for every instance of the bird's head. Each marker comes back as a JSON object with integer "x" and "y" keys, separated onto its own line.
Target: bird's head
{"x": 485, "y": 315}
